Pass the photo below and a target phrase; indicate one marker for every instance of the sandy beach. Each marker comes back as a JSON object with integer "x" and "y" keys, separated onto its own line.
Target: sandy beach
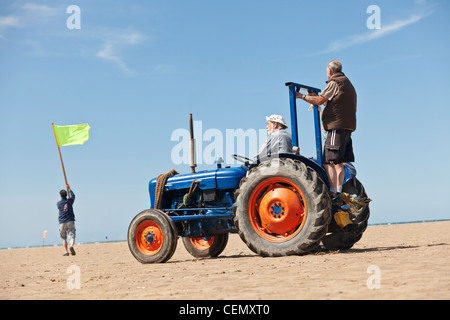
{"x": 409, "y": 261}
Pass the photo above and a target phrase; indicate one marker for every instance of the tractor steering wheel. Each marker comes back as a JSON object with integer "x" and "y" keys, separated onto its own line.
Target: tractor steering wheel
{"x": 243, "y": 159}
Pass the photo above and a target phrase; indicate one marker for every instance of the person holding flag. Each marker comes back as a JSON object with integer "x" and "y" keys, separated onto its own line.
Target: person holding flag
{"x": 66, "y": 218}
{"x": 66, "y": 136}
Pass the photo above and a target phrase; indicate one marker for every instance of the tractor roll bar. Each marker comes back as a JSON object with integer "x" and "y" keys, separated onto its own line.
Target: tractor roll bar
{"x": 293, "y": 89}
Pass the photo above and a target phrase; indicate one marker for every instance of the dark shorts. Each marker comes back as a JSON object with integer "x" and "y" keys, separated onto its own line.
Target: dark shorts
{"x": 338, "y": 147}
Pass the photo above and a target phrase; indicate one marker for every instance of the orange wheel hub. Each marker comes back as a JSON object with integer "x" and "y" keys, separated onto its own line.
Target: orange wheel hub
{"x": 149, "y": 238}
{"x": 202, "y": 243}
{"x": 277, "y": 209}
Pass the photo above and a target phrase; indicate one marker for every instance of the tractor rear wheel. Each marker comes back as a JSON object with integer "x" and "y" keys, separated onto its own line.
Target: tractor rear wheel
{"x": 282, "y": 208}
{"x": 206, "y": 247}
{"x": 152, "y": 236}
{"x": 344, "y": 238}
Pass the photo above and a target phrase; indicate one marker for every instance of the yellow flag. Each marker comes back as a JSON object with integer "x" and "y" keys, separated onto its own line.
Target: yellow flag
{"x": 71, "y": 135}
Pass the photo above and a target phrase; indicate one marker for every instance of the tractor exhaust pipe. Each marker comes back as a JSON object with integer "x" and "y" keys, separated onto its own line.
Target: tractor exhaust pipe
{"x": 192, "y": 145}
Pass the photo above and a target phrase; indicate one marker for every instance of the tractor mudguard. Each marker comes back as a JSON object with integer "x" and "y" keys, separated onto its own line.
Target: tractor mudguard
{"x": 350, "y": 171}
{"x": 308, "y": 162}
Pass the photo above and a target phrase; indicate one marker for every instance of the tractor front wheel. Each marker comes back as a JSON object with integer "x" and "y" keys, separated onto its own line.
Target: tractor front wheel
{"x": 152, "y": 237}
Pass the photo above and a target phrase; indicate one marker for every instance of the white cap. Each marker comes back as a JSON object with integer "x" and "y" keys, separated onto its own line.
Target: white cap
{"x": 277, "y": 118}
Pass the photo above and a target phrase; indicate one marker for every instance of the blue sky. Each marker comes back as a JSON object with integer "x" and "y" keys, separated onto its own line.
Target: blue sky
{"x": 136, "y": 69}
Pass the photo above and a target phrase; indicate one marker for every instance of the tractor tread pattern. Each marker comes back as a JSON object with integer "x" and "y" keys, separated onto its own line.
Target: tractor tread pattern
{"x": 315, "y": 190}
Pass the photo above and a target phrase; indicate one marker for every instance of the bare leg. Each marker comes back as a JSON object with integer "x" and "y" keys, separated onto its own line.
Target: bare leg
{"x": 332, "y": 176}
{"x": 336, "y": 175}
{"x": 340, "y": 173}
{"x": 64, "y": 242}
{"x": 72, "y": 242}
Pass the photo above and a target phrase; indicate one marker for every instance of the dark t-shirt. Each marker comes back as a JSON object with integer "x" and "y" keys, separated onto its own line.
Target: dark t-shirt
{"x": 65, "y": 209}
{"x": 340, "y": 109}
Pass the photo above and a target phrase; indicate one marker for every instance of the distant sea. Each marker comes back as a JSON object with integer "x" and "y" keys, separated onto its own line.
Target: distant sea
{"x": 111, "y": 241}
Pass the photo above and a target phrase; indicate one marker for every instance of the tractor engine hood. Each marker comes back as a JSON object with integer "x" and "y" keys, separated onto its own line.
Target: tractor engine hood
{"x": 223, "y": 178}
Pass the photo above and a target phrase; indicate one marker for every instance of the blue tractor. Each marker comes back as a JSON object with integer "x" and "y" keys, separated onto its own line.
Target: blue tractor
{"x": 279, "y": 205}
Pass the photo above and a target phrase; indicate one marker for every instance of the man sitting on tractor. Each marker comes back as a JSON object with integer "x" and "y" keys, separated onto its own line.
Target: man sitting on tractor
{"x": 278, "y": 141}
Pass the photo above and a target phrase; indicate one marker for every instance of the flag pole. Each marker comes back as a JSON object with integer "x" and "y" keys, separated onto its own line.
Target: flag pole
{"x": 60, "y": 157}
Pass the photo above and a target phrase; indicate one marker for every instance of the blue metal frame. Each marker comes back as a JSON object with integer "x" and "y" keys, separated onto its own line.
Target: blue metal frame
{"x": 221, "y": 178}
{"x": 217, "y": 216}
{"x": 293, "y": 89}
{"x": 195, "y": 222}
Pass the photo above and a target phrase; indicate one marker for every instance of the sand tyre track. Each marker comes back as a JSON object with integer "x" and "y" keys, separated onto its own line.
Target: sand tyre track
{"x": 282, "y": 208}
{"x": 345, "y": 238}
{"x": 206, "y": 247}
{"x": 152, "y": 237}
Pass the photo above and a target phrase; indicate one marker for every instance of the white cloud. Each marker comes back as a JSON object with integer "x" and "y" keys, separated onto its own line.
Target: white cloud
{"x": 373, "y": 34}
{"x": 41, "y": 10}
{"x": 108, "y": 53}
{"x": 9, "y": 22}
{"x": 113, "y": 43}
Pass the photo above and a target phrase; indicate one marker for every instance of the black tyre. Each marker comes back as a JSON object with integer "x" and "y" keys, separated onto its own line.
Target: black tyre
{"x": 152, "y": 237}
{"x": 206, "y": 247}
{"x": 282, "y": 208}
{"x": 344, "y": 238}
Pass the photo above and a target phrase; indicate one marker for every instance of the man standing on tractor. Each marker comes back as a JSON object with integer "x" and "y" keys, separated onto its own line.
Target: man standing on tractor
{"x": 339, "y": 120}
{"x": 279, "y": 140}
